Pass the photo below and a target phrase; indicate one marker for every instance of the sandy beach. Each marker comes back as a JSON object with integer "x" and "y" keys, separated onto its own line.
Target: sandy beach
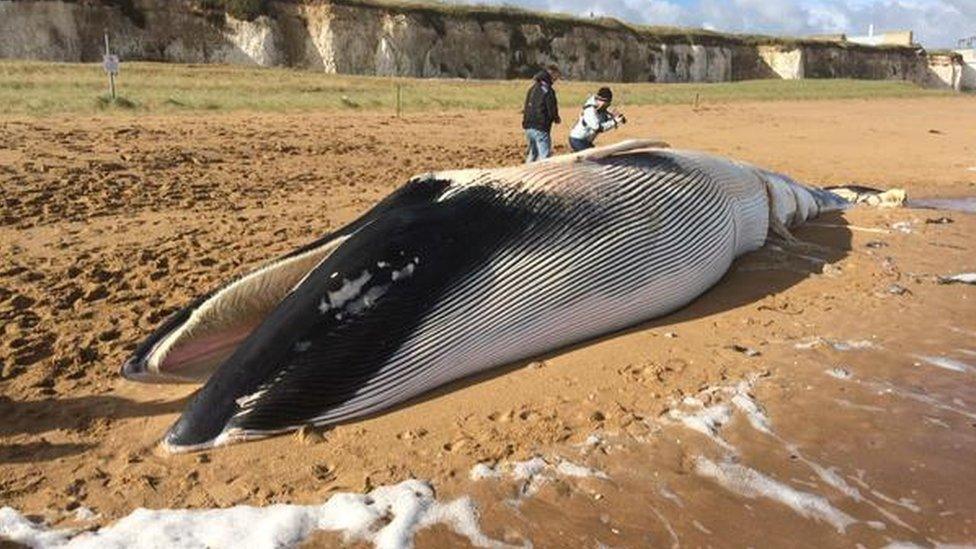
{"x": 820, "y": 395}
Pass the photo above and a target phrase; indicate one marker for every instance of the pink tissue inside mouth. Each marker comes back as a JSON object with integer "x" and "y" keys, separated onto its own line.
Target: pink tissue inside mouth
{"x": 200, "y": 355}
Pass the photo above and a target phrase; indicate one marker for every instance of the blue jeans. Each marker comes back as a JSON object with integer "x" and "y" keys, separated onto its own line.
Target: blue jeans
{"x": 578, "y": 145}
{"x": 540, "y": 145}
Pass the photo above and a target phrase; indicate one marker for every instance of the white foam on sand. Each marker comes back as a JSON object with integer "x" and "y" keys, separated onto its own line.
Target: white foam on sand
{"x": 907, "y": 503}
{"x": 839, "y": 373}
{"x": 388, "y": 517}
{"x": 903, "y": 226}
{"x": 535, "y": 471}
{"x": 946, "y": 363}
{"x": 855, "y": 406}
{"x": 709, "y": 420}
{"x": 828, "y": 475}
{"x": 752, "y": 484}
{"x": 754, "y": 412}
{"x": 482, "y": 471}
{"x": 675, "y": 543}
{"x": 888, "y": 388}
{"x": 807, "y": 504}
{"x": 668, "y": 494}
{"x": 532, "y": 473}
{"x": 570, "y": 469}
{"x": 843, "y": 346}
{"x": 964, "y": 331}
{"x": 851, "y": 345}
{"x": 705, "y": 420}
{"x": 593, "y": 441}
{"x": 15, "y": 527}
{"x": 84, "y": 514}
{"x": 808, "y": 343}
{"x": 526, "y": 470}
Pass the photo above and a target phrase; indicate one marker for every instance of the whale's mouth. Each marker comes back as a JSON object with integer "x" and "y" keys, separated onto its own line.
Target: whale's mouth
{"x": 212, "y": 329}
{"x": 192, "y": 357}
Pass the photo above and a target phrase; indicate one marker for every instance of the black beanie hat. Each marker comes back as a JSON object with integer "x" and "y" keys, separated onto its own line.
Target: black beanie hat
{"x": 605, "y": 94}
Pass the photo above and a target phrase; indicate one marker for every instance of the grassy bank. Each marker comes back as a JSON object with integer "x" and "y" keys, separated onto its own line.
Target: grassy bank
{"x": 36, "y": 88}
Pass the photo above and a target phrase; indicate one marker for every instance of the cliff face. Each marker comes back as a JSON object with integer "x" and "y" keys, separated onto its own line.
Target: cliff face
{"x": 967, "y": 69}
{"x": 370, "y": 41}
{"x": 67, "y": 31}
{"x": 360, "y": 39}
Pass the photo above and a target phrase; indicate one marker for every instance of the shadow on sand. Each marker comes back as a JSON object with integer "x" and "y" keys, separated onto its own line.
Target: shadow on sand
{"x": 34, "y": 452}
{"x": 35, "y": 417}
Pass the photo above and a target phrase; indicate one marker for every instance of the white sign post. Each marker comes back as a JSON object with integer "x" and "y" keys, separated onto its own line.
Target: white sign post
{"x": 110, "y": 63}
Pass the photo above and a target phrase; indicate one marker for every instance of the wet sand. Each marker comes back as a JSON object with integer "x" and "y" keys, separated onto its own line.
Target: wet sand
{"x": 109, "y": 225}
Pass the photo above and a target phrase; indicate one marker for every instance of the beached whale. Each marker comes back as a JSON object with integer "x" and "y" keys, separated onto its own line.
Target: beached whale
{"x": 458, "y": 272}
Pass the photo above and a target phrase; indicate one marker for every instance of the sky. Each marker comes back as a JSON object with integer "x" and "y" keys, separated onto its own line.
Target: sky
{"x": 937, "y": 23}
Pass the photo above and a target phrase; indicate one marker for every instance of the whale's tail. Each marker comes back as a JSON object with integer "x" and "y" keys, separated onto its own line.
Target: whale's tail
{"x": 792, "y": 203}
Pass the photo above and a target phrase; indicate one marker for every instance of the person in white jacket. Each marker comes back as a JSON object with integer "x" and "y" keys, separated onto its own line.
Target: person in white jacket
{"x": 595, "y": 119}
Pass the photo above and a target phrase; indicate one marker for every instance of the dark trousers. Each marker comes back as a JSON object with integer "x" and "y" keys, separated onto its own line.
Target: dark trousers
{"x": 579, "y": 144}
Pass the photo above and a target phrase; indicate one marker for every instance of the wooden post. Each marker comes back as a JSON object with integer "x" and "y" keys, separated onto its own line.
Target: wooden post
{"x": 399, "y": 100}
{"x": 697, "y": 98}
{"x": 111, "y": 74}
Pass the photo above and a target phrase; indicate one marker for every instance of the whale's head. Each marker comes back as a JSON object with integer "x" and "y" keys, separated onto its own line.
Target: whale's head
{"x": 195, "y": 340}
{"x": 304, "y": 333}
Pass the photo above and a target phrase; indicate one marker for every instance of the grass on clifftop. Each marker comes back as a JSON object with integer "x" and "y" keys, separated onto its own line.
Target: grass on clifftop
{"x": 37, "y": 88}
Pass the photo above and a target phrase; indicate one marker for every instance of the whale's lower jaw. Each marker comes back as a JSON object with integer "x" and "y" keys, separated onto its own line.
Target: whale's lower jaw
{"x": 447, "y": 279}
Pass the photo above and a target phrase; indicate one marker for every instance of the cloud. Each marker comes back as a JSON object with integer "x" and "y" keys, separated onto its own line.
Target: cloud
{"x": 937, "y": 23}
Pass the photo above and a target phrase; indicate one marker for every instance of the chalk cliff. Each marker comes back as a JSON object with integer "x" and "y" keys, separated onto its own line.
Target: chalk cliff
{"x": 427, "y": 41}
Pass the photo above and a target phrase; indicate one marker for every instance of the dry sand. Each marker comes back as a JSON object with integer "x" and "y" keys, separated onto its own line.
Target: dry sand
{"x": 110, "y": 224}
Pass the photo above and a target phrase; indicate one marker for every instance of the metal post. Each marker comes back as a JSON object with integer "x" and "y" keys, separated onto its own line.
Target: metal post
{"x": 399, "y": 100}
{"x": 111, "y": 74}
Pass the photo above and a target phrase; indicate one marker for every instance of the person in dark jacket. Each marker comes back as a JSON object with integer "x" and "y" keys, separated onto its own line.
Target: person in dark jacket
{"x": 541, "y": 111}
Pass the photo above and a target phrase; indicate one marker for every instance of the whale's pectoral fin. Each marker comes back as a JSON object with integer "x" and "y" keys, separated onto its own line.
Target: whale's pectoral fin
{"x": 324, "y": 353}
{"x": 605, "y": 151}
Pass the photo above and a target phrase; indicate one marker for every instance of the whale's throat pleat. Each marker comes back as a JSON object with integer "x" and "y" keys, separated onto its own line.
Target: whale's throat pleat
{"x": 213, "y": 331}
